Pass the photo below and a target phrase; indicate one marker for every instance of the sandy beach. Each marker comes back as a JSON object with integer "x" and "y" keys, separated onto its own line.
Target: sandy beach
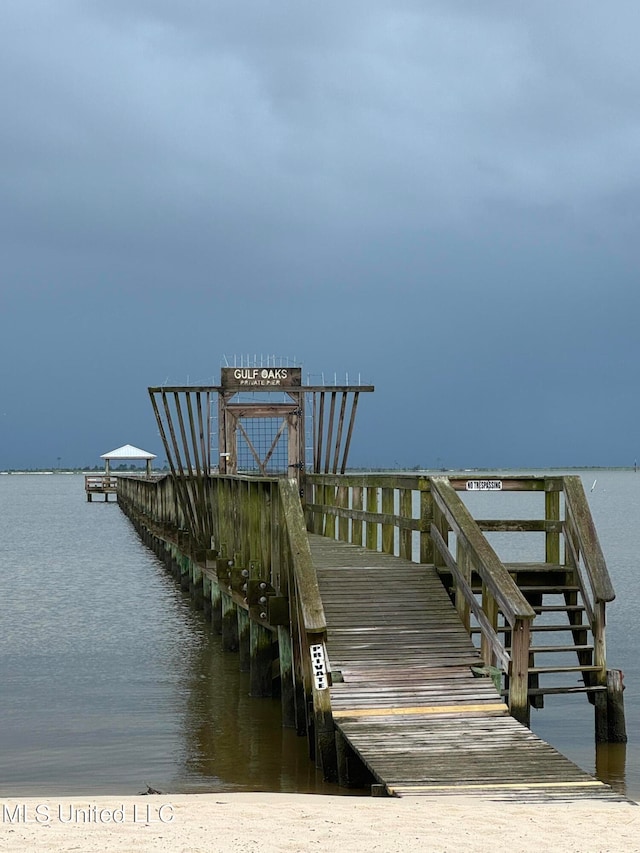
{"x": 300, "y": 822}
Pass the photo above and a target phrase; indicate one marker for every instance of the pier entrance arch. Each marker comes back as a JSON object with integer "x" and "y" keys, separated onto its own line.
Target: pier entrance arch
{"x": 268, "y": 423}
{"x": 261, "y": 420}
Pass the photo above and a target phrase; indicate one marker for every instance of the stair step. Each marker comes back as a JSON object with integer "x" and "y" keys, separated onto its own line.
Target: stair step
{"x": 547, "y": 649}
{"x": 540, "y": 590}
{"x": 550, "y": 590}
{"x": 537, "y": 670}
{"x": 543, "y": 691}
{"x": 537, "y": 567}
{"x": 501, "y": 629}
{"x": 559, "y": 608}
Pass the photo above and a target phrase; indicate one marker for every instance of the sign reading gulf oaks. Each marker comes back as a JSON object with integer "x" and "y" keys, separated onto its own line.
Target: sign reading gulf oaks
{"x": 261, "y": 377}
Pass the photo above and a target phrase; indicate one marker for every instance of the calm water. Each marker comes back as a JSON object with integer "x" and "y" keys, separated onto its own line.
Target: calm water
{"x": 111, "y": 681}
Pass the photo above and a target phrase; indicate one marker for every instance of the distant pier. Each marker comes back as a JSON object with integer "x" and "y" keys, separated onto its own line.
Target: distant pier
{"x": 100, "y": 484}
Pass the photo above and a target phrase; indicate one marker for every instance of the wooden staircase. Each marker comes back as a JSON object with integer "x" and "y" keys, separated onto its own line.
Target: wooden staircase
{"x": 567, "y": 593}
{"x": 561, "y": 610}
{"x": 562, "y": 642}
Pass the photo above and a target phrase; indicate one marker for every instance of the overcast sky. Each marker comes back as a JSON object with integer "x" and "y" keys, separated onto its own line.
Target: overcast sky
{"x": 442, "y": 197}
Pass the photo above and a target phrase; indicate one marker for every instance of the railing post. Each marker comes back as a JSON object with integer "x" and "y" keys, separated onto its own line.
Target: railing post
{"x": 330, "y": 519}
{"x": 372, "y": 528}
{"x": 519, "y": 674}
{"x": 426, "y": 517}
{"x": 462, "y": 605}
{"x": 406, "y": 511}
{"x": 356, "y": 527}
{"x": 387, "y": 529}
{"x": 343, "y": 522}
{"x": 318, "y": 499}
{"x": 491, "y": 611}
{"x": 552, "y": 513}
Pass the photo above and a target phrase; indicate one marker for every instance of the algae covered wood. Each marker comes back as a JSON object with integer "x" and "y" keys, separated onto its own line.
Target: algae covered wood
{"x": 304, "y": 571}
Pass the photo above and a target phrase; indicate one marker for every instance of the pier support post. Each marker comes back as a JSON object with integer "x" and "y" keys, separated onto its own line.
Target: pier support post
{"x": 185, "y": 572}
{"x": 229, "y": 624}
{"x": 352, "y": 773}
{"x": 617, "y": 729}
{"x": 325, "y": 740}
{"x": 287, "y": 679}
{"x": 216, "y": 607}
{"x": 261, "y": 660}
{"x": 609, "y": 710}
{"x": 244, "y": 640}
{"x": 206, "y": 595}
{"x": 196, "y": 583}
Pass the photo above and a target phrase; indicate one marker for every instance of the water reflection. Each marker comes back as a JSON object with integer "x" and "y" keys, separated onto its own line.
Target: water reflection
{"x": 235, "y": 742}
{"x": 611, "y": 765}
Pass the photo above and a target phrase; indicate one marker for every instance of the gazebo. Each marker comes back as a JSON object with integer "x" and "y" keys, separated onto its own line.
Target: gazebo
{"x": 127, "y": 451}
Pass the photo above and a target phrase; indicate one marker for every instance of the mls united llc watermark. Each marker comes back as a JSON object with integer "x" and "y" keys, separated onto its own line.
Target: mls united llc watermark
{"x": 46, "y": 813}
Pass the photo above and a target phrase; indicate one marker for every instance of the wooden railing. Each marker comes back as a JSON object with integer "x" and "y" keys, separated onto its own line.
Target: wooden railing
{"x": 379, "y": 511}
{"x": 500, "y": 594}
{"x": 584, "y": 553}
{"x": 100, "y": 483}
{"x": 413, "y": 516}
{"x": 256, "y": 527}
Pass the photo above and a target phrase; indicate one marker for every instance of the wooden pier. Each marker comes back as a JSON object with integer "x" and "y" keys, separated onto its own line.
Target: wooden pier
{"x": 412, "y": 677}
{"x": 100, "y": 484}
{"x": 399, "y": 641}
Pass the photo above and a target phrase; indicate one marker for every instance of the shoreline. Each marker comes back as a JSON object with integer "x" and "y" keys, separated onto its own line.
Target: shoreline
{"x": 193, "y": 823}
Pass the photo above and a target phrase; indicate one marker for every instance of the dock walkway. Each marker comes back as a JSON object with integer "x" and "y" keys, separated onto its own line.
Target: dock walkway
{"x": 404, "y": 696}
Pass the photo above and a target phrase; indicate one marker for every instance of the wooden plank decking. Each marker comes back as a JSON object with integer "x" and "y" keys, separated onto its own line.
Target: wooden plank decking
{"x": 408, "y": 703}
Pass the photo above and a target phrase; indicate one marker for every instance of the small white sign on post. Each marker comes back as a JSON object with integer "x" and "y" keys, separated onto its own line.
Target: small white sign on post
{"x": 484, "y": 485}
{"x": 319, "y": 666}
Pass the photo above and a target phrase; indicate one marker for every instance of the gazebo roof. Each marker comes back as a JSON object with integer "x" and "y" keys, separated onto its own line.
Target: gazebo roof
{"x": 128, "y": 451}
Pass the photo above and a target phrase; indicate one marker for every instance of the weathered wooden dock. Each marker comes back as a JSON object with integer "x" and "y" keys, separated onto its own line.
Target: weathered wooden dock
{"x": 376, "y": 655}
{"x": 404, "y": 696}
{"x": 100, "y": 484}
{"x": 405, "y": 648}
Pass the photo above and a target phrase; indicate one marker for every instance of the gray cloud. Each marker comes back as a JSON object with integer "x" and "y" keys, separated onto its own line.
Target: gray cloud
{"x": 453, "y": 188}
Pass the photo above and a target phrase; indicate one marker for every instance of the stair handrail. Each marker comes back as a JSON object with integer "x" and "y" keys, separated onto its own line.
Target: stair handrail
{"x": 311, "y": 607}
{"x": 582, "y": 524}
{"x": 504, "y": 589}
{"x": 500, "y": 585}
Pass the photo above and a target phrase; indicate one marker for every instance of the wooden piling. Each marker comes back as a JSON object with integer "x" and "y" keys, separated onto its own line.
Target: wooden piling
{"x": 244, "y": 642}
{"x": 352, "y": 773}
{"x": 261, "y": 660}
{"x": 196, "y": 583}
{"x": 287, "y": 678}
{"x": 185, "y": 574}
{"x": 216, "y": 607}
{"x": 229, "y": 624}
{"x": 206, "y": 595}
{"x": 616, "y": 725}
